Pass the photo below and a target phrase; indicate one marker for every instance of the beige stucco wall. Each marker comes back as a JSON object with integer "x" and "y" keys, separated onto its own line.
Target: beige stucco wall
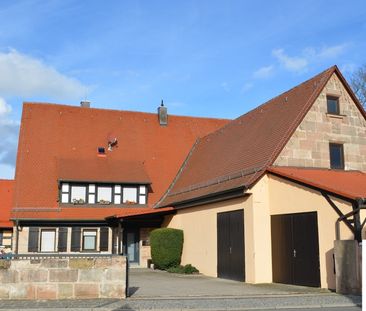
{"x": 270, "y": 196}
{"x": 309, "y": 146}
{"x": 200, "y": 232}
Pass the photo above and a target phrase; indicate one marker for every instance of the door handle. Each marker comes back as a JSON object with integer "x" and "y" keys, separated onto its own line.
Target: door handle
{"x": 230, "y": 249}
{"x": 294, "y": 253}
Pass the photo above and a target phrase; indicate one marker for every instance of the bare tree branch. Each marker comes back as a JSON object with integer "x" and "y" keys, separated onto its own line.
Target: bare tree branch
{"x": 358, "y": 84}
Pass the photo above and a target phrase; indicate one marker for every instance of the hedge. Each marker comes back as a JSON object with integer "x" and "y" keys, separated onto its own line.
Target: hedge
{"x": 166, "y": 247}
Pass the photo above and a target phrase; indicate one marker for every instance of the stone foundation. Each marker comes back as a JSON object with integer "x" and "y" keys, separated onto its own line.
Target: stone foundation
{"x": 69, "y": 278}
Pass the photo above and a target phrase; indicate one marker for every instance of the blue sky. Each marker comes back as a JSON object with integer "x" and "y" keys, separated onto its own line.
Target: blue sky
{"x": 204, "y": 58}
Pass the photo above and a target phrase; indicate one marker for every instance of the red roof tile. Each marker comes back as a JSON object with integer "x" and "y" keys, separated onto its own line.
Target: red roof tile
{"x": 100, "y": 169}
{"x": 348, "y": 184}
{"x": 50, "y": 132}
{"x": 237, "y": 154}
{"x": 84, "y": 213}
{"x": 6, "y": 202}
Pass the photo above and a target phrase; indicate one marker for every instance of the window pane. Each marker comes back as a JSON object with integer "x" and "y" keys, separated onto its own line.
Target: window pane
{"x": 91, "y": 188}
{"x": 89, "y": 238}
{"x": 48, "y": 240}
{"x": 91, "y": 199}
{"x": 65, "y": 198}
{"x": 129, "y": 195}
{"x": 78, "y": 193}
{"x": 142, "y": 199}
{"x": 105, "y": 194}
{"x": 142, "y": 190}
{"x": 117, "y": 189}
{"x": 65, "y": 187}
{"x": 89, "y": 243}
{"x": 117, "y": 199}
{"x": 332, "y": 105}
{"x": 336, "y": 156}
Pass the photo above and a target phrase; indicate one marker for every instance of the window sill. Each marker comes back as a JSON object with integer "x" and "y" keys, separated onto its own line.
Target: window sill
{"x": 336, "y": 116}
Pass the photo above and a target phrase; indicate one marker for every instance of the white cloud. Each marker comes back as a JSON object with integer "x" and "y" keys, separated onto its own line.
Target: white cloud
{"x": 264, "y": 72}
{"x": 290, "y": 63}
{"x": 25, "y": 76}
{"x": 332, "y": 51}
{"x": 4, "y": 107}
{"x": 8, "y": 141}
{"x": 308, "y": 56}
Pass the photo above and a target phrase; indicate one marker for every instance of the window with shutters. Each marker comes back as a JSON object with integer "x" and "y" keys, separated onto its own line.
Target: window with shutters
{"x": 103, "y": 194}
{"x": 58, "y": 239}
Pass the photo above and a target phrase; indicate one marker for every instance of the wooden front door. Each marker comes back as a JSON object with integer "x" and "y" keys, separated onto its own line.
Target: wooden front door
{"x": 295, "y": 249}
{"x": 230, "y": 245}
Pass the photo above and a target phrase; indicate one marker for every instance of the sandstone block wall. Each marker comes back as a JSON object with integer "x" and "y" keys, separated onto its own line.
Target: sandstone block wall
{"x": 309, "y": 145}
{"x": 70, "y": 278}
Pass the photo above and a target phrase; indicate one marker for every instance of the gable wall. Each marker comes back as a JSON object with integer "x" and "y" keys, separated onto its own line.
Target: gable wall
{"x": 309, "y": 145}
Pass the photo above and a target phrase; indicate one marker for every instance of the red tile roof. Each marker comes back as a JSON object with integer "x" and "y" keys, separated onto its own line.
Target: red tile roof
{"x": 348, "y": 184}
{"x": 6, "y": 202}
{"x": 102, "y": 169}
{"x": 237, "y": 154}
{"x": 53, "y": 134}
{"x": 85, "y": 213}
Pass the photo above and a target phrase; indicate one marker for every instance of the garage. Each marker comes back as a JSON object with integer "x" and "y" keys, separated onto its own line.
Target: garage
{"x": 295, "y": 249}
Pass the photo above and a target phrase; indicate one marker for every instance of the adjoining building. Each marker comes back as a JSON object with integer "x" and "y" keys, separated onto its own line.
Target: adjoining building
{"x": 6, "y": 204}
{"x": 260, "y": 198}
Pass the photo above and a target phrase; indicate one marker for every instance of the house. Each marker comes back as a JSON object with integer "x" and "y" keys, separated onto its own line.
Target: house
{"x": 6, "y": 203}
{"x": 272, "y": 186}
{"x": 260, "y": 198}
{"x": 78, "y": 168}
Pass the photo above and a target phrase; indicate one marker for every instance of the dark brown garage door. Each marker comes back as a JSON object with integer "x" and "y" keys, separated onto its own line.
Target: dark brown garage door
{"x": 295, "y": 249}
{"x": 230, "y": 245}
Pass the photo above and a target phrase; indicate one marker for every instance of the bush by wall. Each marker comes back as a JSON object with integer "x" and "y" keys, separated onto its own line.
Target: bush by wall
{"x": 166, "y": 247}
{"x": 187, "y": 269}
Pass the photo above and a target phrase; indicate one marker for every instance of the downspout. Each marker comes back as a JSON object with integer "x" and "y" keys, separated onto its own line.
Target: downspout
{"x": 16, "y": 237}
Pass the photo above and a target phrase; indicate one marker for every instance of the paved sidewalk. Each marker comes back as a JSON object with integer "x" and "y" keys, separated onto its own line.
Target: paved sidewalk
{"x": 237, "y": 303}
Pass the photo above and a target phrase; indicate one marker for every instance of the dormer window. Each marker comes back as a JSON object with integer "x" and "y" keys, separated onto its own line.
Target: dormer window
{"x": 104, "y": 194}
{"x": 333, "y": 105}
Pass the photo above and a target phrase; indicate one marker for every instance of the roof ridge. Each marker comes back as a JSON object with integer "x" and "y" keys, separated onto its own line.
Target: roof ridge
{"x": 117, "y": 110}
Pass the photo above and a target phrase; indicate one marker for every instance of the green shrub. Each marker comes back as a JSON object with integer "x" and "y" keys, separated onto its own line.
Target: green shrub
{"x": 187, "y": 269}
{"x": 166, "y": 247}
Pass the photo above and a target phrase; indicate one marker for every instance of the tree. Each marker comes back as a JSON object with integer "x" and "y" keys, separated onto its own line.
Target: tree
{"x": 358, "y": 84}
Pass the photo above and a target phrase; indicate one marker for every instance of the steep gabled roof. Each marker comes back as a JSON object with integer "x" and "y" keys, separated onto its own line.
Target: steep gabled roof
{"x": 347, "y": 184}
{"x": 6, "y": 202}
{"x": 59, "y": 142}
{"x": 237, "y": 155}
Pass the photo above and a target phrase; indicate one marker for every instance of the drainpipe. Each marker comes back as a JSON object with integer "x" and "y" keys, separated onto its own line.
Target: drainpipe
{"x": 16, "y": 237}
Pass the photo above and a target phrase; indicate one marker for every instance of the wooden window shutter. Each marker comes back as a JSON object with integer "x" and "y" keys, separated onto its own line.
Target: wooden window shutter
{"x": 62, "y": 239}
{"x": 104, "y": 239}
{"x": 33, "y": 239}
{"x": 75, "y": 239}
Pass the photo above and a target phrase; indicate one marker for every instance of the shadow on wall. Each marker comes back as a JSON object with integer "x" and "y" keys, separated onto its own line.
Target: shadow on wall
{"x": 330, "y": 269}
